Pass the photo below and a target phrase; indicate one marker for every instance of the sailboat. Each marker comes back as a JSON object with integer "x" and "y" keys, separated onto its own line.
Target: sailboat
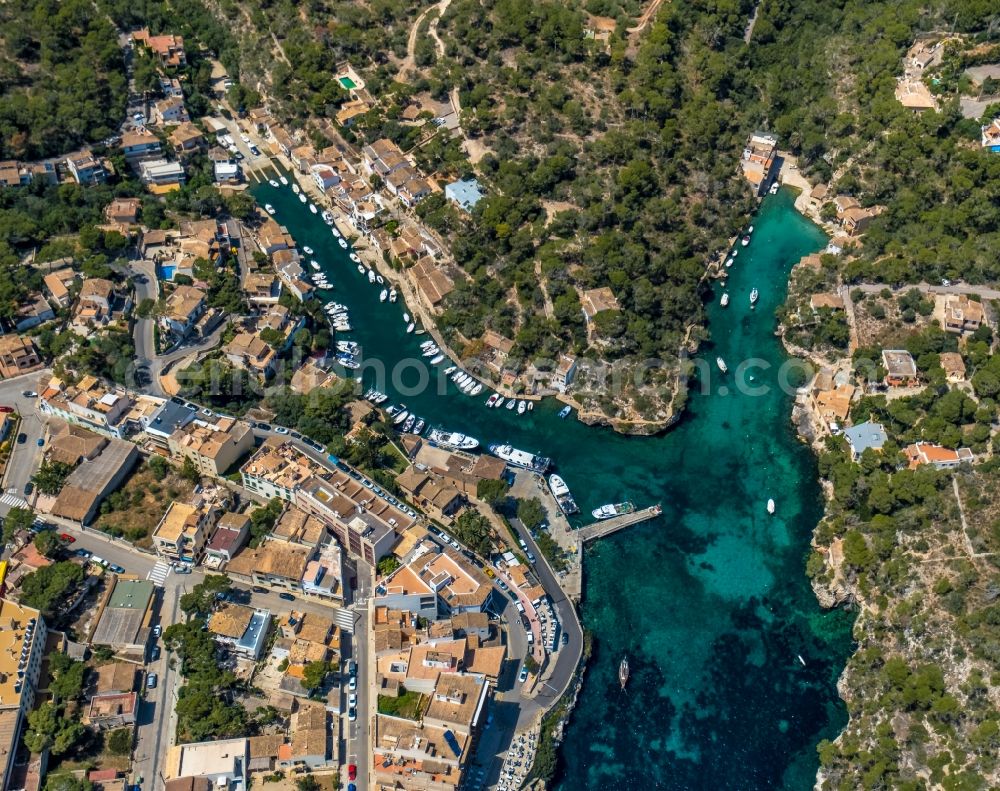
{"x": 623, "y": 672}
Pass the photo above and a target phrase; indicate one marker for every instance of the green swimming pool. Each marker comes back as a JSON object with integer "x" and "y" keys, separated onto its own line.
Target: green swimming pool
{"x": 348, "y": 83}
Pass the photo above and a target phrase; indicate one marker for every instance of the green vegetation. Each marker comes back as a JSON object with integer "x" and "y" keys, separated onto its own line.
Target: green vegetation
{"x": 51, "y": 586}
{"x": 408, "y": 704}
{"x": 51, "y": 476}
{"x": 119, "y": 741}
{"x": 262, "y": 520}
{"x": 492, "y": 492}
{"x": 205, "y": 706}
{"x": 47, "y": 543}
{"x": 474, "y": 531}
{"x": 314, "y": 675}
{"x": 387, "y": 565}
{"x": 17, "y": 519}
{"x": 202, "y": 598}
{"x": 530, "y": 513}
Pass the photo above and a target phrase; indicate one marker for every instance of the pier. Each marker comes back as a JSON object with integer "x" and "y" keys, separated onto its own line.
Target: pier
{"x": 608, "y": 526}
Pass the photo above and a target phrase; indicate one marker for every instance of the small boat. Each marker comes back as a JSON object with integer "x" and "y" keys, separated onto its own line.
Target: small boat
{"x": 499, "y": 402}
{"x": 409, "y": 422}
{"x": 460, "y": 378}
{"x": 561, "y": 492}
{"x": 378, "y": 279}
{"x": 774, "y": 188}
{"x": 750, "y": 230}
{"x": 419, "y": 428}
{"x": 327, "y": 217}
{"x": 361, "y": 269}
{"x": 351, "y": 347}
{"x": 770, "y": 505}
{"x": 392, "y": 295}
{"x": 745, "y": 241}
{"x": 753, "y": 297}
{"x": 341, "y": 242}
{"x": 801, "y": 659}
{"x": 725, "y": 299}
{"x": 623, "y": 672}
{"x": 371, "y": 276}
{"x": 410, "y": 327}
{"x": 302, "y": 198}
{"x": 612, "y": 510}
{"x": 295, "y": 189}
{"x": 430, "y": 352}
{"x": 283, "y": 180}
{"x": 354, "y": 257}
{"x": 469, "y": 386}
{"x": 735, "y": 253}
{"x": 382, "y": 295}
{"x": 335, "y": 232}
{"x": 312, "y": 208}
{"x": 269, "y": 208}
{"x": 477, "y": 389}
{"x": 729, "y": 262}
{"x": 272, "y": 182}
{"x": 492, "y": 400}
{"x": 531, "y": 405}
{"x": 406, "y": 317}
{"x": 314, "y": 264}
{"x": 450, "y": 370}
{"x": 308, "y": 250}
{"x": 452, "y": 440}
{"x": 392, "y": 411}
{"x": 401, "y": 416}
{"x": 722, "y": 364}
{"x": 521, "y": 406}
{"x": 564, "y": 412}
{"x": 437, "y": 358}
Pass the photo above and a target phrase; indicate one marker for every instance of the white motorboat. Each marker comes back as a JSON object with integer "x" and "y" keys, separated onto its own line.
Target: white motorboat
{"x": 745, "y": 241}
{"x": 354, "y": 257}
{"x": 460, "y": 378}
{"x": 361, "y": 269}
{"x": 383, "y": 295}
{"x": 302, "y": 198}
{"x": 750, "y": 230}
{"x": 722, "y": 364}
{"x": 327, "y": 217}
{"x": 269, "y": 208}
{"x": 406, "y": 317}
{"x": 314, "y": 264}
{"x": 450, "y": 370}
{"x": 335, "y": 232}
{"x": 371, "y": 276}
{"x": 753, "y": 297}
{"x": 477, "y": 389}
{"x": 272, "y": 182}
{"x": 521, "y": 407}
{"x": 735, "y": 253}
{"x": 491, "y": 401}
{"x": 312, "y": 208}
{"x": 283, "y": 180}
{"x": 379, "y": 280}
{"x": 410, "y": 327}
{"x": 512, "y": 403}
{"x": 770, "y": 505}
{"x": 401, "y": 417}
{"x": 341, "y": 241}
{"x": 437, "y": 358}
{"x": 452, "y": 439}
{"x": 308, "y": 250}
{"x": 774, "y": 188}
{"x": 499, "y": 402}
{"x": 725, "y": 299}
{"x": 295, "y": 189}
{"x": 531, "y": 405}
{"x": 729, "y": 262}
{"x": 392, "y": 295}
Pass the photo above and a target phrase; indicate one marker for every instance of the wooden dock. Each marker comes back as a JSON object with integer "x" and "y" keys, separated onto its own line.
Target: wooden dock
{"x": 608, "y": 526}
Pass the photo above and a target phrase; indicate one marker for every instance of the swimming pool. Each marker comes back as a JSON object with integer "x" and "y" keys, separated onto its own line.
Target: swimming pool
{"x": 165, "y": 271}
{"x": 348, "y": 83}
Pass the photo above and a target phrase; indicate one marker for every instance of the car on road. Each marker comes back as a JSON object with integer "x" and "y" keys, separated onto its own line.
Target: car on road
{"x": 29, "y": 487}
{"x": 263, "y": 426}
{"x": 531, "y": 558}
{"x": 502, "y": 584}
{"x": 22, "y": 438}
{"x": 116, "y": 568}
{"x": 29, "y": 394}
{"x": 521, "y": 542}
{"x": 564, "y": 639}
{"x": 40, "y": 443}
{"x": 157, "y": 630}
{"x": 523, "y": 675}
{"x": 151, "y": 681}
{"x": 244, "y": 137}
{"x": 352, "y": 715}
{"x": 155, "y": 653}
{"x": 258, "y": 589}
{"x": 83, "y": 553}
{"x": 67, "y": 538}
{"x": 352, "y": 699}
{"x": 286, "y": 596}
{"x": 182, "y": 569}
{"x": 352, "y": 683}
{"x": 281, "y": 430}
{"x": 8, "y": 409}
{"x": 295, "y": 435}
{"x": 254, "y": 150}
{"x": 352, "y": 772}
{"x": 352, "y": 668}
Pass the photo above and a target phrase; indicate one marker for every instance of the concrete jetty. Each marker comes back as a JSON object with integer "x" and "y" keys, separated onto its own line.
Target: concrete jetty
{"x": 608, "y": 526}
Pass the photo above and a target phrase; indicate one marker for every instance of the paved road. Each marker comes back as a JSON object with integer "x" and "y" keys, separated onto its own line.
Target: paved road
{"x": 26, "y": 456}
{"x": 985, "y": 292}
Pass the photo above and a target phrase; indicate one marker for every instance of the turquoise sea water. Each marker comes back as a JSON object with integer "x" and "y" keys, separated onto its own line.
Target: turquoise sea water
{"x": 709, "y": 602}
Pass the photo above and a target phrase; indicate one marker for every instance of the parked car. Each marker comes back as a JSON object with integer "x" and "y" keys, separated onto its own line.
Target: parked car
{"x": 116, "y": 569}
{"x": 5, "y": 408}
{"x": 22, "y": 438}
{"x": 523, "y": 675}
{"x": 352, "y": 772}
{"x": 531, "y": 558}
{"x": 352, "y": 668}
{"x": 352, "y": 683}
{"x": 41, "y": 442}
{"x": 263, "y": 427}
{"x": 29, "y": 487}
{"x": 155, "y": 653}
{"x": 286, "y": 596}
{"x": 67, "y": 538}
{"x": 83, "y": 553}
{"x": 30, "y": 394}
{"x": 281, "y": 430}
{"x": 182, "y": 569}
{"x": 352, "y": 699}
{"x": 352, "y": 715}
{"x": 151, "y": 681}
{"x": 157, "y": 630}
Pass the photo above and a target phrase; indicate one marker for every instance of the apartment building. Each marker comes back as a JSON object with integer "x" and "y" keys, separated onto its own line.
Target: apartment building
{"x": 22, "y": 645}
{"x": 183, "y": 531}
{"x": 89, "y": 403}
{"x": 214, "y": 447}
{"x": 18, "y": 355}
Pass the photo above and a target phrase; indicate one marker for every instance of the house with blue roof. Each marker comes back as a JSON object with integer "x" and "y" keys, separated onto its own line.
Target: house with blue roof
{"x": 465, "y": 192}
{"x": 863, "y": 436}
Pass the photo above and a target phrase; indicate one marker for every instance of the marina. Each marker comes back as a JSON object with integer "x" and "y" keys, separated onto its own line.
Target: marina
{"x": 736, "y": 589}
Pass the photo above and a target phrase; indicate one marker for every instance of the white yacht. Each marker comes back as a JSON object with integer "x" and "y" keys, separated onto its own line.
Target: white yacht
{"x": 383, "y": 295}
{"x": 753, "y": 297}
{"x": 371, "y": 276}
{"x": 729, "y": 262}
{"x": 312, "y": 208}
{"x": 392, "y": 295}
{"x": 302, "y": 198}
{"x": 308, "y": 250}
{"x": 725, "y": 299}
{"x": 410, "y": 327}
{"x": 521, "y": 406}
{"x": 283, "y": 180}
{"x": 477, "y": 389}
{"x": 436, "y": 359}
{"x": 341, "y": 241}
{"x": 295, "y": 189}
{"x": 361, "y": 269}
{"x": 770, "y": 505}
{"x": 354, "y": 257}
{"x": 269, "y": 208}
{"x": 453, "y": 440}
{"x": 406, "y": 317}
{"x": 335, "y": 232}
{"x": 272, "y": 182}
{"x": 722, "y": 364}
{"x": 314, "y": 264}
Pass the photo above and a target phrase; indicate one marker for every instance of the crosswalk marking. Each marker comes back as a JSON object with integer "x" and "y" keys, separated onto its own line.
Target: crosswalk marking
{"x": 158, "y": 573}
{"x": 14, "y": 501}
{"x": 344, "y": 619}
